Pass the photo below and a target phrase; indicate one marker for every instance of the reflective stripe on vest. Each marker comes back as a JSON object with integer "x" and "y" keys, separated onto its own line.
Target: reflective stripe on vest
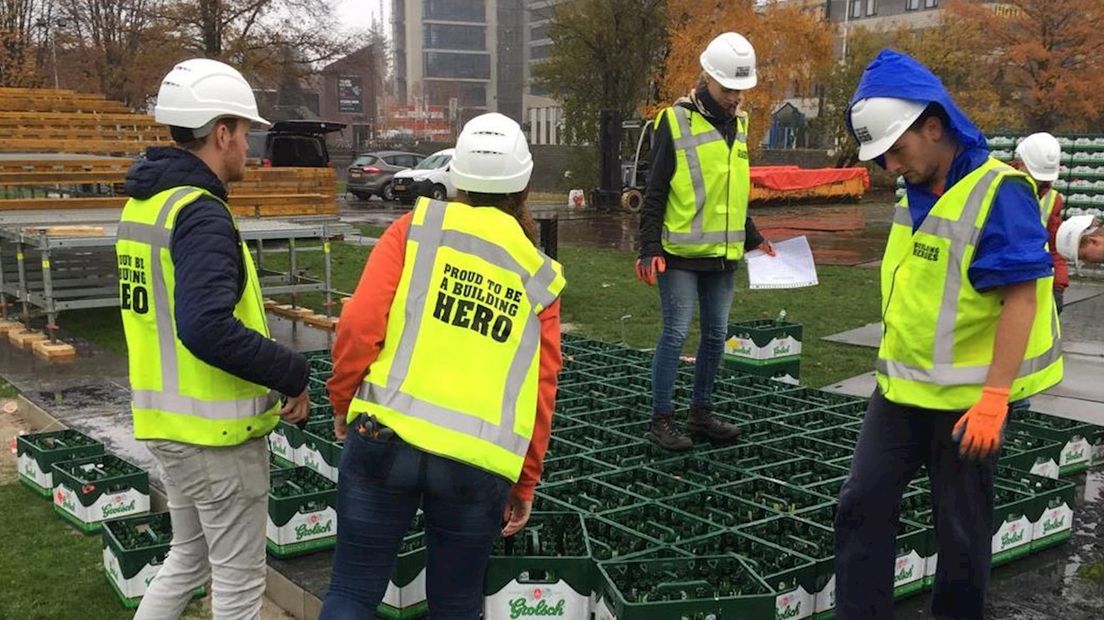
{"x": 541, "y": 289}
{"x": 170, "y": 399}
{"x": 961, "y": 234}
{"x": 687, "y": 143}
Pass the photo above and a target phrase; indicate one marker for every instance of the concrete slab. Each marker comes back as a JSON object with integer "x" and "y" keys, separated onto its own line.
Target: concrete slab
{"x": 869, "y": 335}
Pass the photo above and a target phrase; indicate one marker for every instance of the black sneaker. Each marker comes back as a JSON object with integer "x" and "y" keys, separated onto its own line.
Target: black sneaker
{"x": 703, "y": 423}
{"x": 665, "y": 433}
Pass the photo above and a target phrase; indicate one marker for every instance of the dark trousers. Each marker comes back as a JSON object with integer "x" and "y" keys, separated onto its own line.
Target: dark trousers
{"x": 382, "y": 483}
{"x": 894, "y": 442}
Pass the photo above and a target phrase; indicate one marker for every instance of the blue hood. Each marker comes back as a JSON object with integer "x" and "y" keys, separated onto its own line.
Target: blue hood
{"x": 893, "y": 74}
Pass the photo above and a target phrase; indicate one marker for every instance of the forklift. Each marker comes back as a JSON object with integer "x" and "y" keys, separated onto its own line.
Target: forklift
{"x": 634, "y": 171}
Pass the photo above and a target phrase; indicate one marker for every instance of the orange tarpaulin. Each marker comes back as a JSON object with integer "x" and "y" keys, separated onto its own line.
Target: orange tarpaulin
{"x": 794, "y": 178}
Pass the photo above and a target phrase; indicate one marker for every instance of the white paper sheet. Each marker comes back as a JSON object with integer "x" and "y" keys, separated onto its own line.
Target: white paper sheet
{"x": 792, "y": 267}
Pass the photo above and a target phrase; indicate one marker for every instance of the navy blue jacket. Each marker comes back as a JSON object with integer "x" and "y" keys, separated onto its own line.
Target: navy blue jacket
{"x": 210, "y": 276}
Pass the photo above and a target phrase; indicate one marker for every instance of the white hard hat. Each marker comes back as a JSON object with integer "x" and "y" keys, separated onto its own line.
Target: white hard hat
{"x": 199, "y": 91}
{"x": 1068, "y": 239}
{"x": 1041, "y": 155}
{"x": 492, "y": 156}
{"x": 730, "y": 59}
{"x": 877, "y": 122}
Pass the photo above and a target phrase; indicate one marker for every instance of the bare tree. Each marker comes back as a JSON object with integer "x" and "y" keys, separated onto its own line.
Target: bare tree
{"x": 19, "y": 21}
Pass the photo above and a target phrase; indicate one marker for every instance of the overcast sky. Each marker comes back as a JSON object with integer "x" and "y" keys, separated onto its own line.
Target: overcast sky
{"x": 358, "y": 14}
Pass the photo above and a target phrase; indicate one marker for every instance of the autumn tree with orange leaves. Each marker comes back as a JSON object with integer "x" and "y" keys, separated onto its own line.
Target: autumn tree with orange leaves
{"x": 1046, "y": 58}
{"x": 793, "y": 49}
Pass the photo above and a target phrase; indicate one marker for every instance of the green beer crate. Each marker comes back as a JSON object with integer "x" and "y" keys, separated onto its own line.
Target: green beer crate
{"x": 37, "y": 452}
{"x": 1096, "y": 444}
{"x": 1013, "y": 528}
{"x": 777, "y": 405}
{"x": 302, "y": 516}
{"x": 612, "y": 417}
{"x": 605, "y": 390}
{"x": 763, "y": 340}
{"x": 1074, "y": 437}
{"x": 646, "y": 482}
{"x": 774, "y": 495}
{"x": 808, "y": 447}
{"x": 916, "y": 508}
{"x": 785, "y": 371}
{"x": 699, "y": 470}
{"x": 803, "y": 473}
{"x": 626, "y": 456}
{"x": 543, "y": 570}
{"x": 808, "y": 422}
{"x": 1052, "y": 515}
{"x": 92, "y": 490}
{"x": 846, "y": 435}
{"x": 133, "y": 551}
{"x": 1024, "y": 451}
{"x": 284, "y": 441}
{"x": 405, "y": 597}
{"x": 824, "y": 399}
{"x": 915, "y": 543}
{"x": 612, "y": 541}
{"x": 805, "y": 539}
{"x": 723, "y": 510}
{"x": 566, "y": 468}
{"x": 320, "y": 451}
{"x": 792, "y": 577}
{"x": 730, "y": 380}
{"x": 744, "y": 456}
{"x": 660, "y": 522}
{"x": 714, "y": 587}
{"x": 588, "y": 496}
{"x": 276, "y": 462}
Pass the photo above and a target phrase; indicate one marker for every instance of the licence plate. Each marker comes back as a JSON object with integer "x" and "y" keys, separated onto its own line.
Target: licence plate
{"x": 398, "y": 188}
{"x": 354, "y": 175}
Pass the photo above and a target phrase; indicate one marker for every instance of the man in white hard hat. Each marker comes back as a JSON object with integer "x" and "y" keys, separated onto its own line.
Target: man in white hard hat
{"x": 1040, "y": 156}
{"x": 1080, "y": 239}
{"x": 969, "y": 327}
{"x": 205, "y": 376}
{"x": 694, "y": 229}
{"x": 444, "y": 382}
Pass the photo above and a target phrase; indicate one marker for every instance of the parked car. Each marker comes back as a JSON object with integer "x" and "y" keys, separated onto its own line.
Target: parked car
{"x": 293, "y": 143}
{"x": 371, "y": 173}
{"x": 429, "y": 178}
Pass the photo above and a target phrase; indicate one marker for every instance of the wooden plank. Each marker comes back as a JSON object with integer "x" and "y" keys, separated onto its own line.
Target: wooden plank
{"x": 321, "y": 321}
{"x": 65, "y": 231}
{"x": 7, "y": 326}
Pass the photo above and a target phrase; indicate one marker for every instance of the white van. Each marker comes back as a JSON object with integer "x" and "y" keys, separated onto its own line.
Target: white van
{"x": 429, "y": 178}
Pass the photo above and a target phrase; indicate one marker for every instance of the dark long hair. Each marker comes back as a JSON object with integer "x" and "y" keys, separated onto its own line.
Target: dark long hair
{"x": 516, "y": 204}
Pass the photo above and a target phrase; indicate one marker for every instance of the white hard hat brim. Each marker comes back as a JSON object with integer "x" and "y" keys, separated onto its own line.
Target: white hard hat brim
{"x": 1039, "y": 175}
{"x": 735, "y": 83}
{"x": 1068, "y": 240}
{"x": 876, "y": 148}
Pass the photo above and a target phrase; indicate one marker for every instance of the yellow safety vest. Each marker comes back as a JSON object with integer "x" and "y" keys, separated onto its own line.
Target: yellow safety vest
{"x": 458, "y": 372}
{"x": 1046, "y": 205}
{"x": 175, "y": 395}
{"x": 939, "y": 331}
{"x": 708, "y": 199}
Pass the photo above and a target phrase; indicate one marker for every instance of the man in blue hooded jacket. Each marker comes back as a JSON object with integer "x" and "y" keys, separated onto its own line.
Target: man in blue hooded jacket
{"x": 969, "y": 327}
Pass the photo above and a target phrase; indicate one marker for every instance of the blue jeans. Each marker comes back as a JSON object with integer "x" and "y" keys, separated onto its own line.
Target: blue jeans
{"x": 679, "y": 291}
{"x": 894, "y": 442}
{"x": 381, "y": 485}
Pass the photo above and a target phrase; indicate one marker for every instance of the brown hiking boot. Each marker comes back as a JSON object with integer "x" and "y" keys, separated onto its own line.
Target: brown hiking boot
{"x": 702, "y": 422}
{"x": 665, "y": 433}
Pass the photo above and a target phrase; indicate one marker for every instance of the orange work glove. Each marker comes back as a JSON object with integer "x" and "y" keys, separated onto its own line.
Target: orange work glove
{"x": 979, "y": 430}
{"x": 648, "y": 268}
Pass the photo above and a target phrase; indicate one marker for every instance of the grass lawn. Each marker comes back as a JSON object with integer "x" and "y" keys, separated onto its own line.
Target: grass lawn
{"x": 37, "y": 586}
{"x": 602, "y": 289}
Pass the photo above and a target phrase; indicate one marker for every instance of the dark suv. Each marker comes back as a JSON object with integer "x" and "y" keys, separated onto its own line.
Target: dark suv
{"x": 371, "y": 173}
{"x": 293, "y": 143}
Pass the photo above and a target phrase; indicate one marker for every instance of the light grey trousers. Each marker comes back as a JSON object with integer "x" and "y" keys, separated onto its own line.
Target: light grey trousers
{"x": 217, "y": 502}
